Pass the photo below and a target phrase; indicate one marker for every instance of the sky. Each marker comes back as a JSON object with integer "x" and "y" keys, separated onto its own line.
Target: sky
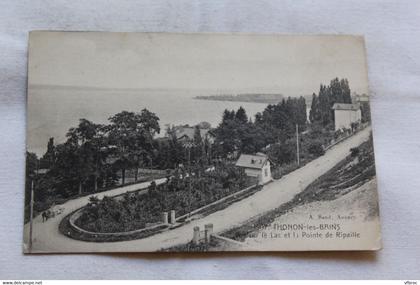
{"x": 217, "y": 63}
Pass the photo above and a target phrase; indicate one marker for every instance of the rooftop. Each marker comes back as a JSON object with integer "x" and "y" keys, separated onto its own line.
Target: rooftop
{"x": 189, "y": 132}
{"x": 256, "y": 161}
{"x": 344, "y": 106}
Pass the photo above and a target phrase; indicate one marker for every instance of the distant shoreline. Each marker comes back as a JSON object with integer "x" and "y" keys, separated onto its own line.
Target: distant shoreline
{"x": 249, "y": 98}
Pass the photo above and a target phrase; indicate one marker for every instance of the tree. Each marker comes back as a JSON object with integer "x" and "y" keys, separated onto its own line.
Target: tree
{"x": 99, "y": 145}
{"x": 252, "y": 138}
{"x": 148, "y": 127}
{"x": 236, "y": 133}
{"x": 31, "y": 163}
{"x": 325, "y": 102}
{"x": 258, "y": 118}
{"x": 282, "y": 153}
{"x": 122, "y": 134}
{"x": 227, "y": 138}
{"x": 204, "y": 125}
{"x": 228, "y": 115}
{"x": 67, "y": 169}
{"x": 48, "y": 159}
{"x": 365, "y": 111}
{"x": 315, "y": 112}
{"x": 354, "y": 152}
{"x": 337, "y": 92}
{"x": 241, "y": 115}
{"x": 198, "y": 145}
{"x": 132, "y": 134}
{"x": 279, "y": 120}
{"x": 316, "y": 149}
{"x": 176, "y": 148}
{"x": 346, "y": 92}
{"x": 86, "y": 141}
{"x": 148, "y": 122}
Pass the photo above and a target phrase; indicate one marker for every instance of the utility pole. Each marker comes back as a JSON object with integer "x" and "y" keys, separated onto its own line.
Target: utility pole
{"x": 297, "y": 145}
{"x": 31, "y": 215}
{"x": 189, "y": 181}
{"x": 31, "y": 211}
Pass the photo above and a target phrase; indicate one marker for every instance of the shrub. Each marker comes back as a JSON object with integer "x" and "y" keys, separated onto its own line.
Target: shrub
{"x": 133, "y": 210}
{"x": 316, "y": 149}
{"x": 282, "y": 153}
{"x": 354, "y": 152}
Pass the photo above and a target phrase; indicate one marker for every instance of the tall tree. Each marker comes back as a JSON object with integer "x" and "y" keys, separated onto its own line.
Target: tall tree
{"x": 122, "y": 134}
{"x": 48, "y": 159}
{"x": 198, "y": 145}
{"x": 86, "y": 141}
{"x": 346, "y": 92}
{"x": 228, "y": 115}
{"x": 236, "y": 133}
{"x": 132, "y": 134}
{"x": 145, "y": 151}
{"x": 176, "y": 153}
{"x": 241, "y": 115}
{"x": 315, "y": 112}
{"x": 325, "y": 102}
{"x": 148, "y": 122}
{"x": 337, "y": 92}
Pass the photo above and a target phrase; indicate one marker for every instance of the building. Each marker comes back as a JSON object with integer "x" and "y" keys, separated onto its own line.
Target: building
{"x": 346, "y": 114}
{"x": 257, "y": 165}
{"x": 186, "y": 133}
{"x": 361, "y": 98}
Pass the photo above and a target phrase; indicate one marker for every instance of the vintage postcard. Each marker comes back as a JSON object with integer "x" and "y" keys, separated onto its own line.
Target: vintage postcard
{"x": 145, "y": 142}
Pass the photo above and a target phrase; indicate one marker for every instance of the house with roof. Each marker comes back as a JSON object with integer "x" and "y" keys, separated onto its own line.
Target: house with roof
{"x": 186, "y": 133}
{"x": 361, "y": 98}
{"x": 256, "y": 165}
{"x": 346, "y": 114}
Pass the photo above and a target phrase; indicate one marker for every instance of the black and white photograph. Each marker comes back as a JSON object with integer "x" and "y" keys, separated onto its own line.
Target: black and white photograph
{"x": 166, "y": 142}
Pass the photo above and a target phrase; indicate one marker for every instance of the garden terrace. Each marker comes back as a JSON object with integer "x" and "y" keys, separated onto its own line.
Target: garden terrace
{"x": 181, "y": 192}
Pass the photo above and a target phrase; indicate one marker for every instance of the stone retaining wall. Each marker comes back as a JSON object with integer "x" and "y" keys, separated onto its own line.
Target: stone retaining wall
{"x": 227, "y": 243}
{"x": 166, "y": 220}
{"x": 78, "y": 213}
{"x": 215, "y": 202}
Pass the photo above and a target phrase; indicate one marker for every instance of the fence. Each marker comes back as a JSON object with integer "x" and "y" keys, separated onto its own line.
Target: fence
{"x": 206, "y": 235}
{"x": 153, "y": 171}
{"x": 346, "y": 135}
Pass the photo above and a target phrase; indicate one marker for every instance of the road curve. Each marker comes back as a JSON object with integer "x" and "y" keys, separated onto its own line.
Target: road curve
{"x": 47, "y": 237}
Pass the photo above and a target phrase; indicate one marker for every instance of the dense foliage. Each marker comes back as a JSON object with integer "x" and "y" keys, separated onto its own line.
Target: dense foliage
{"x": 337, "y": 92}
{"x": 95, "y": 157}
{"x": 181, "y": 192}
{"x": 276, "y": 123}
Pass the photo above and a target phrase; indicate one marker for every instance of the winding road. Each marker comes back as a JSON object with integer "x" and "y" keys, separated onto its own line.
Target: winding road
{"x": 47, "y": 238}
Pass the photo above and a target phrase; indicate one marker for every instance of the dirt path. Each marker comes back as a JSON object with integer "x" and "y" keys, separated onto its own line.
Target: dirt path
{"x": 48, "y": 239}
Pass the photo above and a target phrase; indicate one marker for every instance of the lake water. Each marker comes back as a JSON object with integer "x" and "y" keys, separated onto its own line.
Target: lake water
{"x": 53, "y": 110}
